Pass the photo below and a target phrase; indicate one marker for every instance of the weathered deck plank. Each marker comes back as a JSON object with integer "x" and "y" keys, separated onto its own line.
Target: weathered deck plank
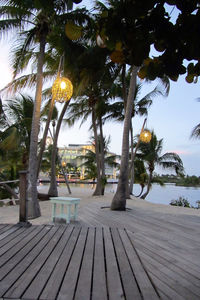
{"x": 155, "y": 255}
{"x": 99, "y": 291}
{"x": 66, "y": 262}
{"x": 56, "y": 277}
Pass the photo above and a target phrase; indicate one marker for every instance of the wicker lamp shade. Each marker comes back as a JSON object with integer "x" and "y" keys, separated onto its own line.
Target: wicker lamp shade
{"x": 62, "y": 89}
{"x": 145, "y": 136}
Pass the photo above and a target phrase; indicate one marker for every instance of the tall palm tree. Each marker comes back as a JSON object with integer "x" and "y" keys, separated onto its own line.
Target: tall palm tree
{"x": 100, "y": 75}
{"x": 151, "y": 154}
{"x": 116, "y": 111}
{"x": 122, "y": 25}
{"x": 39, "y": 19}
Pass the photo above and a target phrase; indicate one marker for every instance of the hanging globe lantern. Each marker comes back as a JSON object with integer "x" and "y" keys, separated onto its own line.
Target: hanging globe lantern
{"x": 64, "y": 164}
{"x": 145, "y": 136}
{"x": 62, "y": 89}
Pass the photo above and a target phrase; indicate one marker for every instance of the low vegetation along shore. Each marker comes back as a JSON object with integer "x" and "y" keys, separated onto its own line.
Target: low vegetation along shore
{"x": 187, "y": 180}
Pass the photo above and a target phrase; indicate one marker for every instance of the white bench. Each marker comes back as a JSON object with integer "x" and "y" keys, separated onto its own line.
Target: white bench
{"x": 67, "y": 202}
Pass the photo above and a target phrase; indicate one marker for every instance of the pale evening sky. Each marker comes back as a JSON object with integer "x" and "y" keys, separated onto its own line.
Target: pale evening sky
{"x": 172, "y": 118}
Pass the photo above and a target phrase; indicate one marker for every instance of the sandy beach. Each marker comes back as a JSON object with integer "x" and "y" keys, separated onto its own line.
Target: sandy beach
{"x": 10, "y": 214}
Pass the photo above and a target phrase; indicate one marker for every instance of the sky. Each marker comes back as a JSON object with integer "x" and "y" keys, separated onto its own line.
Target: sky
{"x": 171, "y": 118}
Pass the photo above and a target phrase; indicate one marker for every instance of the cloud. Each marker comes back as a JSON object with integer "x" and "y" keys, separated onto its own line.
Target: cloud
{"x": 180, "y": 152}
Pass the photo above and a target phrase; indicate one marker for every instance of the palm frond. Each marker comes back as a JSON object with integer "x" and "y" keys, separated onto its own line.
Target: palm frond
{"x": 21, "y": 56}
{"x": 195, "y": 132}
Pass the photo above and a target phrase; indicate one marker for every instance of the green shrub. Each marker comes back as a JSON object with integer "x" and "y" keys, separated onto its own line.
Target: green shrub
{"x": 180, "y": 202}
{"x": 4, "y": 194}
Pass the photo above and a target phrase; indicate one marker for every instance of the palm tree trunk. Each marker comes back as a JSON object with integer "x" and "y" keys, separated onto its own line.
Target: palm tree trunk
{"x": 142, "y": 188}
{"x": 43, "y": 142}
{"x": 64, "y": 174}
{"x": 148, "y": 185}
{"x": 124, "y": 92}
{"x": 119, "y": 200}
{"x": 53, "y": 191}
{"x": 132, "y": 160}
{"x": 103, "y": 175}
{"x": 10, "y": 190}
{"x": 33, "y": 203}
{"x": 98, "y": 188}
{"x": 131, "y": 169}
{"x": 124, "y": 86}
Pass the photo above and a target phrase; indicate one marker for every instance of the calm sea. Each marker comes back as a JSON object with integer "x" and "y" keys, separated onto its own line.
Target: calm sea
{"x": 159, "y": 194}
{"x": 164, "y": 194}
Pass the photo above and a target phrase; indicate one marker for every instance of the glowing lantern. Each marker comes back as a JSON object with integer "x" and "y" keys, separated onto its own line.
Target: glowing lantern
{"x": 62, "y": 89}
{"x": 145, "y": 136}
{"x": 64, "y": 164}
{"x": 49, "y": 141}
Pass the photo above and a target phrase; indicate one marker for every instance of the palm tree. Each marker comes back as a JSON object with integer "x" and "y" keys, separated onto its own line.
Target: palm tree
{"x": 116, "y": 111}
{"x": 128, "y": 38}
{"x": 15, "y": 137}
{"x": 17, "y": 132}
{"x": 89, "y": 161}
{"x": 39, "y": 19}
{"x": 151, "y": 154}
{"x": 141, "y": 175}
{"x": 100, "y": 75}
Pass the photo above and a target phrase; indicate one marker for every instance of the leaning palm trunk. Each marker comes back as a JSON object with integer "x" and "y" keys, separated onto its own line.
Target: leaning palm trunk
{"x": 103, "y": 175}
{"x": 148, "y": 185}
{"x": 43, "y": 142}
{"x": 64, "y": 174}
{"x": 10, "y": 190}
{"x": 142, "y": 189}
{"x": 133, "y": 155}
{"x": 33, "y": 204}
{"x": 53, "y": 191}
{"x": 131, "y": 169}
{"x": 98, "y": 188}
{"x": 119, "y": 200}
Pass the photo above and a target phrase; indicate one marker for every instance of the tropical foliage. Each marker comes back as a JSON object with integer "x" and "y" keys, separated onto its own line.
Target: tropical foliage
{"x": 150, "y": 153}
{"x": 117, "y": 34}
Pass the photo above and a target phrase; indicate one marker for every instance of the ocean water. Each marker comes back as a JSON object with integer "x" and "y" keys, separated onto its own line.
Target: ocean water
{"x": 158, "y": 194}
{"x": 164, "y": 194}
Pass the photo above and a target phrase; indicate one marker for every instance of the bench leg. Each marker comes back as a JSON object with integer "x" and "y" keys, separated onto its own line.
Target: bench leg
{"x": 53, "y": 211}
{"x": 62, "y": 209}
{"x": 75, "y": 211}
{"x": 68, "y": 213}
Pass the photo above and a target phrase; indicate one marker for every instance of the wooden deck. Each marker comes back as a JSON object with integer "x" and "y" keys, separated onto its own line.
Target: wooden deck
{"x": 66, "y": 262}
{"x": 135, "y": 254}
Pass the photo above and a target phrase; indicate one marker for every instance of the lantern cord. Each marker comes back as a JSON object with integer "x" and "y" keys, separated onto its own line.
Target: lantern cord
{"x": 60, "y": 66}
{"x": 145, "y": 120}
